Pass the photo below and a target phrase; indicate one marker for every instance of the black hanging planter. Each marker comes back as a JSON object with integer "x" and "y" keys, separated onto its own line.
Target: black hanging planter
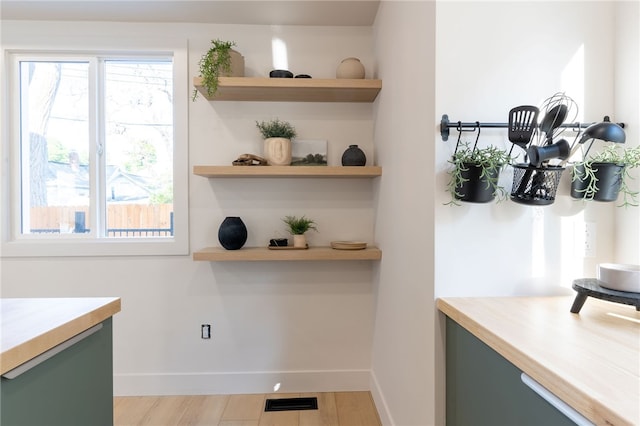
{"x": 232, "y": 233}
{"x": 474, "y": 187}
{"x": 603, "y": 185}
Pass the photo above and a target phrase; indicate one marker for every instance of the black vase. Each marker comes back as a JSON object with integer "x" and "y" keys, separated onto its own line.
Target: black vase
{"x": 354, "y": 156}
{"x": 232, "y": 233}
{"x": 476, "y": 188}
{"x": 609, "y": 177}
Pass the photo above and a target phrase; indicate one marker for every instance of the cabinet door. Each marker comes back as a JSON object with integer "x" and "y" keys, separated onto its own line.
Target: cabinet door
{"x": 483, "y": 388}
{"x": 73, "y": 388}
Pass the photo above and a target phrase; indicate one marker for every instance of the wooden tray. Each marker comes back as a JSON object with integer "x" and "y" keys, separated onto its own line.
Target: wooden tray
{"x": 348, "y": 245}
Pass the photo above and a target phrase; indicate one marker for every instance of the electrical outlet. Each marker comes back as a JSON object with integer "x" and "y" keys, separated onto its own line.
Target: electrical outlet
{"x": 589, "y": 239}
{"x": 205, "y": 331}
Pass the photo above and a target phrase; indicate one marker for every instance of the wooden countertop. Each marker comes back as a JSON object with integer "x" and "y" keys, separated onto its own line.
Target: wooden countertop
{"x": 30, "y": 327}
{"x": 590, "y": 360}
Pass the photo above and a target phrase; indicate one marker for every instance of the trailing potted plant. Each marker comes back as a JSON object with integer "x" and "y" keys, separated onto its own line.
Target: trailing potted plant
{"x": 604, "y": 175}
{"x": 277, "y": 137}
{"x": 474, "y": 175}
{"x": 297, "y": 226}
{"x": 219, "y": 60}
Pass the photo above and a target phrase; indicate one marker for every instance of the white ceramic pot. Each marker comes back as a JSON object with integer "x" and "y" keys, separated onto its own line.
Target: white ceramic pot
{"x": 277, "y": 151}
{"x": 350, "y": 68}
{"x": 299, "y": 240}
{"x": 237, "y": 64}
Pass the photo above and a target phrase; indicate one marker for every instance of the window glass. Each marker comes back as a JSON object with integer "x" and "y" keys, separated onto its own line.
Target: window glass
{"x": 97, "y": 148}
{"x": 54, "y": 138}
{"x": 138, "y": 148}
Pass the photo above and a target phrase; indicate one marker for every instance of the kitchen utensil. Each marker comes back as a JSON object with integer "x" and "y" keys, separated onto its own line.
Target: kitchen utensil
{"x": 556, "y": 110}
{"x": 522, "y": 125}
{"x": 606, "y": 131}
{"x": 540, "y": 154}
{"x": 552, "y": 120}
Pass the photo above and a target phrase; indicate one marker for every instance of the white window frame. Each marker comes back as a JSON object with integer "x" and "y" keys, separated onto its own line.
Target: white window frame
{"x": 15, "y": 244}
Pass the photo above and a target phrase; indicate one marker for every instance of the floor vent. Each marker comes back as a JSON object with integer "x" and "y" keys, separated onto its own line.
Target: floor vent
{"x": 291, "y": 404}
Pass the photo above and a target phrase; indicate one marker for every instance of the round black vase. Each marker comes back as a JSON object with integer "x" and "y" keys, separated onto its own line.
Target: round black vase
{"x": 354, "y": 156}
{"x": 232, "y": 233}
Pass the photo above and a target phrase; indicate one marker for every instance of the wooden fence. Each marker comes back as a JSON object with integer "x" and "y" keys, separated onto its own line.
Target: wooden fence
{"x": 129, "y": 219}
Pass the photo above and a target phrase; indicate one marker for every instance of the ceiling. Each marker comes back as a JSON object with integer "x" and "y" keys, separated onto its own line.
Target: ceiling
{"x": 255, "y": 12}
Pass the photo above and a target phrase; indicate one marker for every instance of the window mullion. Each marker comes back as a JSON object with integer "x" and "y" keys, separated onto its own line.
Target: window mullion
{"x": 96, "y": 146}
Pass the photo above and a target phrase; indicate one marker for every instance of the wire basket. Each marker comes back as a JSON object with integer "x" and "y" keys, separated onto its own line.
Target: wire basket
{"x": 535, "y": 185}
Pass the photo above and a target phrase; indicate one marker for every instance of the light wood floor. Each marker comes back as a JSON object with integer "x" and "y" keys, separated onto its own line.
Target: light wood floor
{"x": 334, "y": 409}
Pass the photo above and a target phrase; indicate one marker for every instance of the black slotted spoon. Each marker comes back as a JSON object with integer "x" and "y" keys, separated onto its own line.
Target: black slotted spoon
{"x": 523, "y": 120}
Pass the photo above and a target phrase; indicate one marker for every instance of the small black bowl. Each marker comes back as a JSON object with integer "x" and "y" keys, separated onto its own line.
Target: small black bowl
{"x": 303, "y": 76}
{"x": 281, "y": 74}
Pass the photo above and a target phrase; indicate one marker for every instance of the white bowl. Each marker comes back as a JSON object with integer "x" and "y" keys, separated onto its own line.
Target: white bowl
{"x": 617, "y": 276}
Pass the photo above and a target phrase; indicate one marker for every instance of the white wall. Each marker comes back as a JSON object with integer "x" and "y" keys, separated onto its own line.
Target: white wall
{"x": 490, "y": 58}
{"x": 403, "y": 356}
{"x": 627, "y": 106}
{"x": 308, "y": 325}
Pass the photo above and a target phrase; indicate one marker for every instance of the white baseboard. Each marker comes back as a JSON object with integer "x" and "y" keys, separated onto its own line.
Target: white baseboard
{"x": 241, "y": 382}
{"x": 380, "y": 402}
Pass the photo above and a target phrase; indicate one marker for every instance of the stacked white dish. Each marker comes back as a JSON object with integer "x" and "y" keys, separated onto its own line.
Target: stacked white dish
{"x": 621, "y": 277}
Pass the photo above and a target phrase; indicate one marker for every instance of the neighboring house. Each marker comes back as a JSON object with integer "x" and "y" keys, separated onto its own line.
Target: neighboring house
{"x": 68, "y": 184}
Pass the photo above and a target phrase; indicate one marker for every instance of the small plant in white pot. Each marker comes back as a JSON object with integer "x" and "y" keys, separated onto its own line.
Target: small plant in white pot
{"x": 297, "y": 226}
{"x": 277, "y": 137}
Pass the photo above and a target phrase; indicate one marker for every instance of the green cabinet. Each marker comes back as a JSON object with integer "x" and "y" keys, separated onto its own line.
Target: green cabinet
{"x": 72, "y": 388}
{"x": 484, "y": 389}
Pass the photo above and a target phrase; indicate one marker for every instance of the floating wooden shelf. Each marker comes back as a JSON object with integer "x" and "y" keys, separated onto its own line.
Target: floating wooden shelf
{"x": 288, "y": 171}
{"x": 252, "y": 254}
{"x": 292, "y": 89}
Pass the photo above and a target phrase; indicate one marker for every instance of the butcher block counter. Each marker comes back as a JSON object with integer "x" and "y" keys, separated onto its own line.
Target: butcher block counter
{"x": 33, "y": 326}
{"x": 590, "y": 360}
{"x": 56, "y": 361}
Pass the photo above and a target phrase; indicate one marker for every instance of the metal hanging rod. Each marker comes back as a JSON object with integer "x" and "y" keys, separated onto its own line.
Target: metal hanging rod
{"x": 446, "y": 124}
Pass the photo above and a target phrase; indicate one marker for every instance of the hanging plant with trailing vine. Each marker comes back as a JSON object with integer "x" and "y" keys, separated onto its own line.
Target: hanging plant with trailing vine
{"x": 489, "y": 160}
{"x": 586, "y": 172}
{"x": 213, "y": 64}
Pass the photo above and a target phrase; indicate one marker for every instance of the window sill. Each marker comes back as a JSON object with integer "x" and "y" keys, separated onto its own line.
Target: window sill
{"x": 112, "y": 247}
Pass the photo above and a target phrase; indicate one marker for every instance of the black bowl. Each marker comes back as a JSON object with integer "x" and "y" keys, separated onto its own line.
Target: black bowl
{"x": 281, "y": 74}
{"x": 303, "y": 76}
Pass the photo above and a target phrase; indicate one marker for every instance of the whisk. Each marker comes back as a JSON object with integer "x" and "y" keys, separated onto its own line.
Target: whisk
{"x": 555, "y": 110}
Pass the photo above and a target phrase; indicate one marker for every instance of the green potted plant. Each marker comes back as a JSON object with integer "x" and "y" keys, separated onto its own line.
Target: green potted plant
{"x": 474, "y": 175}
{"x": 219, "y": 60}
{"x": 604, "y": 175}
{"x": 277, "y": 137}
{"x": 297, "y": 226}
